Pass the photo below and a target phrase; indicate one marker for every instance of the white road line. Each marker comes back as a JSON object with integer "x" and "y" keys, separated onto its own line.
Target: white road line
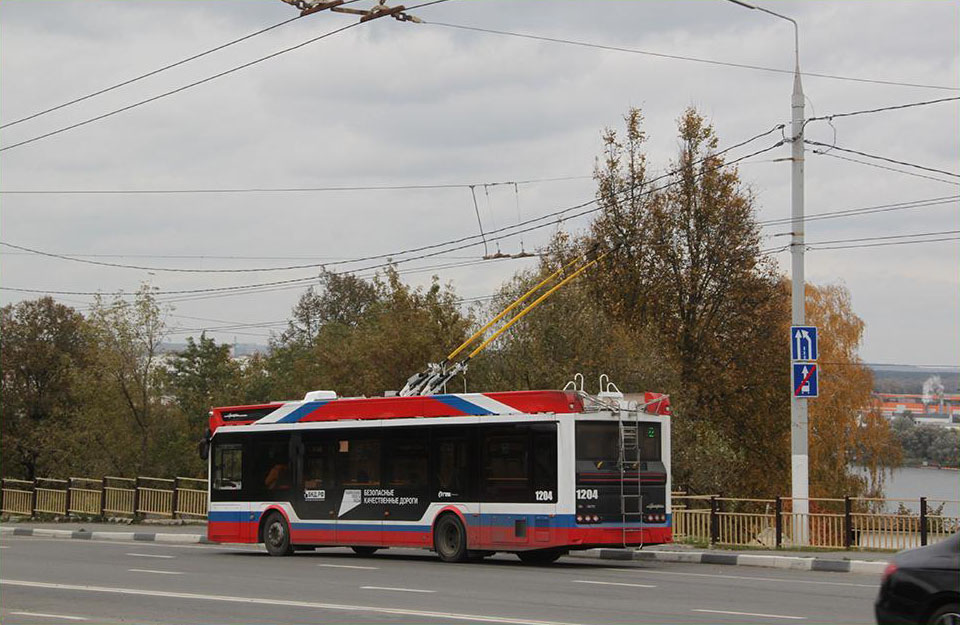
{"x": 350, "y": 566}
{"x": 588, "y": 581}
{"x": 505, "y": 620}
{"x": 153, "y": 571}
{"x": 792, "y": 618}
{"x": 394, "y": 589}
{"x": 148, "y": 555}
{"x": 750, "y": 577}
{"x": 130, "y": 542}
{"x": 42, "y": 615}
{"x": 3, "y": 547}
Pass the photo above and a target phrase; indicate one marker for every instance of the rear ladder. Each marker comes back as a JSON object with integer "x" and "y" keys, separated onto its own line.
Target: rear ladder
{"x": 631, "y": 498}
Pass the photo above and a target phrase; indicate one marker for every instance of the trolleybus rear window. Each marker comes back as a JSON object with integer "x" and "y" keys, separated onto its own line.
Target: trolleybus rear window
{"x": 600, "y": 440}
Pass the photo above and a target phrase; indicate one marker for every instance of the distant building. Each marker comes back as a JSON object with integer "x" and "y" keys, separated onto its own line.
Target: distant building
{"x": 939, "y": 409}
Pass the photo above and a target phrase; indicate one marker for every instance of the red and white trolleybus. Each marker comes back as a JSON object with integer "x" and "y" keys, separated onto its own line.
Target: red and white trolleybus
{"x": 537, "y": 473}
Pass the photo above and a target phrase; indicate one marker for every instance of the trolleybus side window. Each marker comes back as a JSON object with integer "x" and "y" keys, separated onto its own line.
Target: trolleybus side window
{"x": 228, "y": 467}
{"x": 505, "y": 472}
{"x": 454, "y": 466}
{"x": 406, "y": 458}
{"x": 270, "y": 467}
{"x": 318, "y": 464}
{"x": 359, "y": 460}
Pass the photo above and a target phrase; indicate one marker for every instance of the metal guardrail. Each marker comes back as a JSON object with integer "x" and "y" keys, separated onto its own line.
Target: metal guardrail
{"x": 838, "y": 523}
{"x": 180, "y": 497}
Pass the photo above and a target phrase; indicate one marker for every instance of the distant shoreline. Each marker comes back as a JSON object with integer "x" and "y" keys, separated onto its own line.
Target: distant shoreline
{"x": 927, "y": 467}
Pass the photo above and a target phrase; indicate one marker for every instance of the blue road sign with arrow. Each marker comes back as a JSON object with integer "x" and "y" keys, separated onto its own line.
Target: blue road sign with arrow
{"x": 805, "y": 379}
{"x": 803, "y": 342}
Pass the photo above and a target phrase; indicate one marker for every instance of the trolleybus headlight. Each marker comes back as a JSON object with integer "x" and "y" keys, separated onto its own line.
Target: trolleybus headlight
{"x": 595, "y": 519}
{"x": 579, "y": 519}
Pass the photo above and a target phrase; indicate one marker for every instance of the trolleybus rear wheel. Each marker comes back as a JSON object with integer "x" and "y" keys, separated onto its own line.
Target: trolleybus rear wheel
{"x": 540, "y": 556}
{"x": 450, "y": 539}
{"x": 276, "y": 535}
{"x": 365, "y": 551}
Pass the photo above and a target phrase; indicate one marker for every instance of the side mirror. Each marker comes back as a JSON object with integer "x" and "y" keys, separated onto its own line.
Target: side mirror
{"x": 203, "y": 447}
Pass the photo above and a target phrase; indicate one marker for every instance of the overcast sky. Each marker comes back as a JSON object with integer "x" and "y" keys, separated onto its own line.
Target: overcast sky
{"x": 390, "y": 103}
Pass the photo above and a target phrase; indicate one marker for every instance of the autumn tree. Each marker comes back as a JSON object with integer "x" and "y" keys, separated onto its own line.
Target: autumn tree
{"x": 43, "y": 346}
{"x": 201, "y": 375}
{"x": 369, "y": 336}
{"x": 571, "y": 332}
{"x": 126, "y": 418}
{"x": 685, "y": 266}
{"x": 844, "y": 430}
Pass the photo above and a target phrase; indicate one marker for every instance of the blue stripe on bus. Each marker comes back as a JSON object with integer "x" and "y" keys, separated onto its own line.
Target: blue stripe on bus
{"x": 361, "y": 527}
{"x": 463, "y": 405}
{"x": 232, "y": 516}
{"x": 301, "y": 412}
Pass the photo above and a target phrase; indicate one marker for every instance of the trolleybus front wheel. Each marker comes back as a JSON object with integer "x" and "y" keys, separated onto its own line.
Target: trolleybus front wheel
{"x": 276, "y": 535}
{"x": 540, "y": 556}
{"x": 450, "y": 539}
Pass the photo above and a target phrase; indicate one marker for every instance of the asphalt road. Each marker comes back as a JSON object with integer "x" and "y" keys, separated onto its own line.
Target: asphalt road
{"x": 72, "y": 581}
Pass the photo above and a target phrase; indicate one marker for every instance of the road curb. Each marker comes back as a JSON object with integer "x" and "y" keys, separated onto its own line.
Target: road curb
{"x": 157, "y": 537}
{"x": 797, "y": 563}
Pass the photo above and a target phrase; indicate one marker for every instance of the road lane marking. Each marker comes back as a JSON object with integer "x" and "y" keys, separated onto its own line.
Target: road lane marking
{"x": 758, "y": 579}
{"x": 148, "y": 555}
{"x": 394, "y": 589}
{"x": 350, "y": 566}
{"x": 60, "y": 616}
{"x": 154, "y": 571}
{"x": 793, "y": 618}
{"x": 504, "y": 620}
{"x": 588, "y": 581}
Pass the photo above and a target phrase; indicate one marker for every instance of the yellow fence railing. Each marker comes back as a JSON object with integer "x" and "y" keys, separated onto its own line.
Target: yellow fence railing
{"x": 838, "y": 523}
{"x": 181, "y": 497}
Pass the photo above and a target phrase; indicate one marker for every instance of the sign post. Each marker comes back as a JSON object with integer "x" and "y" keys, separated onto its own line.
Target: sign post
{"x": 804, "y": 384}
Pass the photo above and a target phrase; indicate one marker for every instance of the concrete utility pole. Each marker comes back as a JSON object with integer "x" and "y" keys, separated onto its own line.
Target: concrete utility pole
{"x": 799, "y": 422}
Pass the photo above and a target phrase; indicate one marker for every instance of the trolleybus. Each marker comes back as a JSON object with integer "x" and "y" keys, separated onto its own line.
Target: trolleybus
{"x": 536, "y": 473}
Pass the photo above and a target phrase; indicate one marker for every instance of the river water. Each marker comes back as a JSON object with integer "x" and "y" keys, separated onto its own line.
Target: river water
{"x": 937, "y": 485}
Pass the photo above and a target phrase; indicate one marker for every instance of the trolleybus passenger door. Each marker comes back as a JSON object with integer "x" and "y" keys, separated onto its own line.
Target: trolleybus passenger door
{"x": 314, "y": 500}
{"x": 360, "y": 494}
{"x": 406, "y": 485}
{"x": 229, "y": 514}
{"x": 543, "y": 446}
{"x": 454, "y": 474}
{"x": 518, "y": 465}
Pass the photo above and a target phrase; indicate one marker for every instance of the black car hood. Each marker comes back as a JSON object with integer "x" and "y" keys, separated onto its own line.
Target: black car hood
{"x": 944, "y": 554}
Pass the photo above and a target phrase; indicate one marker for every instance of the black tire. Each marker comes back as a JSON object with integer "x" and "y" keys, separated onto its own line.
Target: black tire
{"x": 450, "y": 539}
{"x": 946, "y": 615}
{"x": 365, "y": 551}
{"x": 276, "y": 535}
{"x": 540, "y": 556}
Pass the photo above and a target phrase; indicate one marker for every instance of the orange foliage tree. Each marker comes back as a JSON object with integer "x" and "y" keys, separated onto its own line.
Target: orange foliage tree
{"x": 845, "y": 430}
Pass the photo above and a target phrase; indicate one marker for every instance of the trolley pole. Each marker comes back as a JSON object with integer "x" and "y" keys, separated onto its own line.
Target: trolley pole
{"x": 799, "y": 423}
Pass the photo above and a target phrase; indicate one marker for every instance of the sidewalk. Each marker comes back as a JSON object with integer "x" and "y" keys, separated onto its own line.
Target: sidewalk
{"x": 871, "y": 563}
{"x": 161, "y": 533}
